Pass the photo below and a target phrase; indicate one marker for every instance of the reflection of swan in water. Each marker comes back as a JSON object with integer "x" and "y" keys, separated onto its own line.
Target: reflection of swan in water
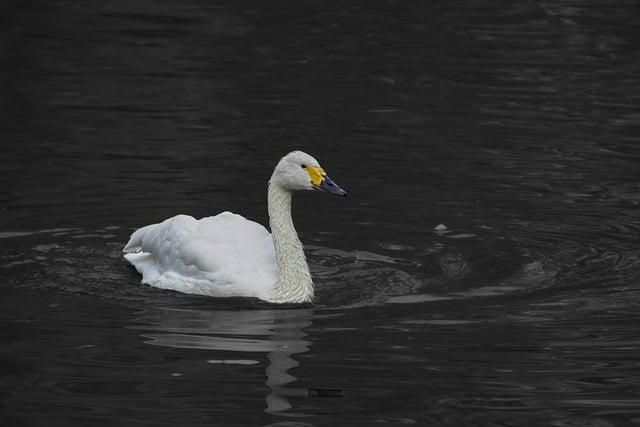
{"x": 288, "y": 340}
{"x": 239, "y": 331}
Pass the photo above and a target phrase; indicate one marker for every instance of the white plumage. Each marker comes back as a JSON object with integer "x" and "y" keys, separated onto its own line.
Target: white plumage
{"x": 223, "y": 255}
{"x": 227, "y": 255}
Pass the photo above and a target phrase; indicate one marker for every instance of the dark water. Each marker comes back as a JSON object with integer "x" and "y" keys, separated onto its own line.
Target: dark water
{"x": 514, "y": 124}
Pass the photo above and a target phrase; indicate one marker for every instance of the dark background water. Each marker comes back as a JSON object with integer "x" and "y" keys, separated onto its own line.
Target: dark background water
{"x": 515, "y": 124}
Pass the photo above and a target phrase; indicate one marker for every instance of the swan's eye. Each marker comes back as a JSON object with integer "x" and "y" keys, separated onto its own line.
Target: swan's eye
{"x": 303, "y": 166}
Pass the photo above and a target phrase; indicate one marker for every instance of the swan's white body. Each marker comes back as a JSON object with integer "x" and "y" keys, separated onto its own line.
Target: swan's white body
{"x": 222, "y": 255}
{"x": 227, "y": 255}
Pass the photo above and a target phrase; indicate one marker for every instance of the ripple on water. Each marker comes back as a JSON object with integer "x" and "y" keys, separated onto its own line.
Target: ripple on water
{"x": 357, "y": 278}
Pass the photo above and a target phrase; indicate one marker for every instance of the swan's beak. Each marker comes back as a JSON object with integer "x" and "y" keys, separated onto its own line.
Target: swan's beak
{"x": 321, "y": 181}
{"x": 331, "y": 187}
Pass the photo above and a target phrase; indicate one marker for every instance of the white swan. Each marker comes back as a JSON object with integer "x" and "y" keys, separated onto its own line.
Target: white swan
{"x": 227, "y": 255}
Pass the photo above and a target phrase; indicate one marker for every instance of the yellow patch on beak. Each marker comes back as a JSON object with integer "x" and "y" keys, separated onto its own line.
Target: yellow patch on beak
{"x": 316, "y": 174}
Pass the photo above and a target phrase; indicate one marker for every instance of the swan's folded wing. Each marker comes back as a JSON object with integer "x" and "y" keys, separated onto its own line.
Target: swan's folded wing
{"x": 239, "y": 250}
{"x": 232, "y": 253}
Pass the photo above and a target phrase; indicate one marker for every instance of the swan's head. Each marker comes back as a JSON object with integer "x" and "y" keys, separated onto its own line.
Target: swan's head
{"x": 300, "y": 171}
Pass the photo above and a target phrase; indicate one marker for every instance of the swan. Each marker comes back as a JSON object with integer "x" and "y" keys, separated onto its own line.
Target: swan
{"x": 227, "y": 255}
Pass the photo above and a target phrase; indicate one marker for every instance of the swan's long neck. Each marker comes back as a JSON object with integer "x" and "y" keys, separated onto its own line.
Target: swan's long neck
{"x": 294, "y": 279}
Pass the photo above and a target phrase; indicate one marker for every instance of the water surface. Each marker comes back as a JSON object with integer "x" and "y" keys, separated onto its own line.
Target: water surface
{"x": 483, "y": 270}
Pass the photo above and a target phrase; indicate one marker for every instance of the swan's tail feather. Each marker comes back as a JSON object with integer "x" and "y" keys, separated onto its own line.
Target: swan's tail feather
{"x": 135, "y": 242}
{"x": 143, "y": 261}
{"x": 145, "y": 264}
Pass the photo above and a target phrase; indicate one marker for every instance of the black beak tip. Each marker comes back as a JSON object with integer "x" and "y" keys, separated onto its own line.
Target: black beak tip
{"x": 331, "y": 187}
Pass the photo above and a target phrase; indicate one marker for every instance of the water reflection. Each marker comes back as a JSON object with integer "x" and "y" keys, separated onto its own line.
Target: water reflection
{"x": 279, "y": 333}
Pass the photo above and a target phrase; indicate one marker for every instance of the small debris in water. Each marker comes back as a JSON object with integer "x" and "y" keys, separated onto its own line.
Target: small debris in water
{"x": 441, "y": 229}
{"x": 324, "y": 392}
{"x": 233, "y": 361}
